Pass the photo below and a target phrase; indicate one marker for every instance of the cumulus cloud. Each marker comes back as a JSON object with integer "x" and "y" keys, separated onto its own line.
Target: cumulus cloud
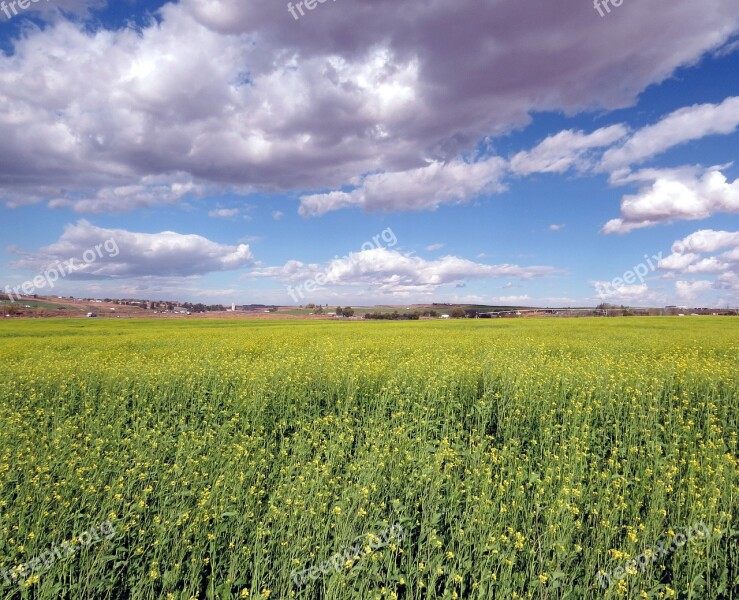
{"x": 683, "y": 125}
{"x": 165, "y": 254}
{"x": 624, "y": 292}
{"x": 304, "y": 106}
{"x": 51, "y": 11}
{"x": 425, "y": 188}
{"x": 391, "y": 272}
{"x": 678, "y": 261}
{"x": 565, "y": 150}
{"x": 152, "y": 191}
{"x": 639, "y": 294}
{"x": 696, "y": 255}
{"x": 687, "y": 253}
{"x": 688, "y": 291}
{"x": 675, "y": 195}
{"x": 729, "y": 282}
{"x": 707, "y": 240}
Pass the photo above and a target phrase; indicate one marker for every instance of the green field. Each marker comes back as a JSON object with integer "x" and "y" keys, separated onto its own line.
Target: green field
{"x": 22, "y": 303}
{"x": 519, "y": 459}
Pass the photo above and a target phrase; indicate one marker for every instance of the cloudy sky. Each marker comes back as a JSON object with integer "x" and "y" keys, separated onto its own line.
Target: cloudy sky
{"x": 362, "y": 152}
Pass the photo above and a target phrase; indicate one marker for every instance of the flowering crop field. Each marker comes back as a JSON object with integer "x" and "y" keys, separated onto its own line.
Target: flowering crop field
{"x": 187, "y": 459}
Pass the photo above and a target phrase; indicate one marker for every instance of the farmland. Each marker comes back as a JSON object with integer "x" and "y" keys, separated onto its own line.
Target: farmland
{"x": 520, "y": 458}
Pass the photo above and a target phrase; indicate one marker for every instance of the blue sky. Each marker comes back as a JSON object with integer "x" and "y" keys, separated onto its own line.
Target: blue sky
{"x": 509, "y": 153}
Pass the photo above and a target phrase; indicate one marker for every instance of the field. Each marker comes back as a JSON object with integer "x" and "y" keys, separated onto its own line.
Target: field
{"x": 500, "y": 459}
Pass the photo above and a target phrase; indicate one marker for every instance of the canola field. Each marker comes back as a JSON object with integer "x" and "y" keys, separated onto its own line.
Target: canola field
{"x": 547, "y": 459}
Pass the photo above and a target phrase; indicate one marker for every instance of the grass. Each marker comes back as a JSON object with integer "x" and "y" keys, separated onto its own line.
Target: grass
{"x": 519, "y": 457}
{"x": 32, "y": 304}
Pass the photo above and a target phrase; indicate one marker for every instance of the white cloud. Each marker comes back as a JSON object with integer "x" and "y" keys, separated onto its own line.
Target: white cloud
{"x": 223, "y": 213}
{"x": 729, "y": 282}
{"x": 49, "y": 11}
{"x": 707, "y": 265}
{"x": 629, "y": 295}
{"x": 686, "y": 253}
{"x": 425, "y": 188}
{"x": 565, "y": 150}
{"x": 707, "y": 240}
{"x": 165, "y": 254}
{"x": 687, "y": 259}
{"x": 390, "y": 272}
{"x": 683, "y": 125}
{"x": 434, "y": 247}
{"x": 277, "y": 215}
{"x": 304, "y": 106}
{"x": 151, "y": 191}
{"x": 688, "y": 291}
{"x": 731, "y": 255}
{"x": 556, "y": 227}
{"x": 675, "y": 195}
{"x": 678, "y": 262}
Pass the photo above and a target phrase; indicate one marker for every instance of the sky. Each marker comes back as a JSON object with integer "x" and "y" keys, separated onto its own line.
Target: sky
{"x": 347, "y": 152}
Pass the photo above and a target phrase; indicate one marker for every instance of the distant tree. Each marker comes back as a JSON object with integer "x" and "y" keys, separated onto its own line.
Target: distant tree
{"x": 348, "y": 312}
{"x": 457, "y": 313}
{"x": 311, "y": 305}
{"x": 339, "y": 311}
